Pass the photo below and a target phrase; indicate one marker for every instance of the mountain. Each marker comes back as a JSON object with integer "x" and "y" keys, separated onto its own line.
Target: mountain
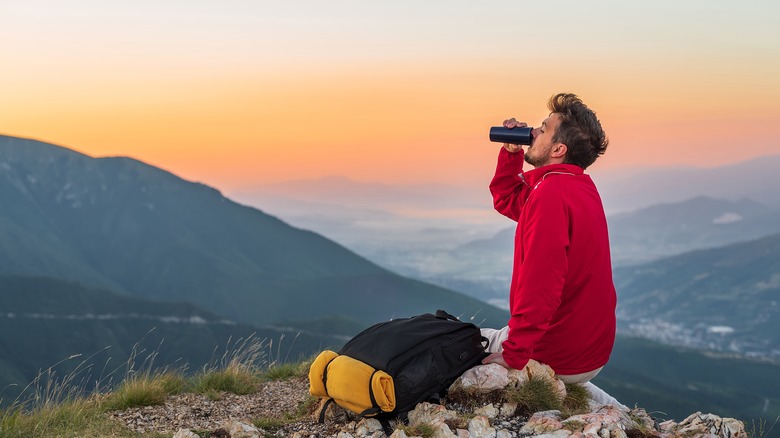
{"x": 756, "y": 178}
{"x": 44, "y": 321}
{"x": 673, "y": 228}
{"x": 135, "y": 229}
{"x": 724, "y": 299}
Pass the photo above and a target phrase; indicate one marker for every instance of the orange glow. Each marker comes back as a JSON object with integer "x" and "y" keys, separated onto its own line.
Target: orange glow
{"x": 386, "y": 123}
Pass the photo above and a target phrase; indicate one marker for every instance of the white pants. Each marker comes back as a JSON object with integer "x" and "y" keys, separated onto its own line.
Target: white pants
{"x": 497, "y": 337}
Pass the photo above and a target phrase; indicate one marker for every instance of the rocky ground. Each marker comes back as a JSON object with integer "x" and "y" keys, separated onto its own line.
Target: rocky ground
{"x": 286, "y": 410}
{"x": 199, "y": 413}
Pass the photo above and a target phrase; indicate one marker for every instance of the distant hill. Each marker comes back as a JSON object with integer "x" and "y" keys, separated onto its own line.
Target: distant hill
{"x": 756, "y": 178}
{"x": 44, "y": 321}
{"x": 124, "y": 225}
{"x": 701, "y": 222}
{"x": 725, "y": 298}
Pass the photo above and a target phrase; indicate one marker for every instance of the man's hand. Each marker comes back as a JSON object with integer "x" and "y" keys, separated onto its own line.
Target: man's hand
{"x": 496, "y": 358}
{"x": 512, "y": 123}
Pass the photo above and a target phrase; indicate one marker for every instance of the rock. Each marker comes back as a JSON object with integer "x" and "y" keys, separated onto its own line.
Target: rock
{"x": 543, "y": 422}
{"x": 399, "y": 433}
{"x": 367, "y": 427}
{"x": 699, "y": 424}
{"x": 443, "y": 431}
{"x": 502, "y": 433}
{"x": 535, "y": 369}
{"x": 489, "y": 411}
{"x": 479, "y": 427}
{"x": 642, "y": 420}
{"x": 428, "y": 413}
{"x": 602, "y": 422}
{"x": 486, "y": 378}
{"x": 733, "y": 428}
{"x": 508, "y": 409}
{"x": 563, "y": 433}
{"x": 185, "y": 433}
{"x": 237, "y": 429}
{"x": 517, "y": 377}
{"x": 617, "y": 433}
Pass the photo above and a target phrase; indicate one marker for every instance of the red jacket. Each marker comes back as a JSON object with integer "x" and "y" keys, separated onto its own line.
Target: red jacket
{"x": 562, "y": 299}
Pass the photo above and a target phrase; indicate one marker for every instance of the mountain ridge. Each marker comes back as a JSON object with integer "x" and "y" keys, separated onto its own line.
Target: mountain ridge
{"x": 136, "y": 229}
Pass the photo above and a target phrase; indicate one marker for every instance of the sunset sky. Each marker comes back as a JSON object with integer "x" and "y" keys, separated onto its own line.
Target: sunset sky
{"x": 240, "y": 93}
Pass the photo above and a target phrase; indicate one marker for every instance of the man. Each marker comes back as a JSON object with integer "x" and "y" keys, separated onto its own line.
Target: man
{"x": 562, "y": 299}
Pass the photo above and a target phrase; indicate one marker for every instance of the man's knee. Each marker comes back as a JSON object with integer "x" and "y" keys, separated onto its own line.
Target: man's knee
{"x": 495, "y": 338}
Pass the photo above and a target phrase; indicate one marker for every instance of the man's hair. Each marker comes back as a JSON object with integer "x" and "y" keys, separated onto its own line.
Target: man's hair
{"x": 579, "y": 130}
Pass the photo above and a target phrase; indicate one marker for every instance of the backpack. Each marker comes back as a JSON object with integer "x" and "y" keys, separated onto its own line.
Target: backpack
{"x": 390, "y": 367}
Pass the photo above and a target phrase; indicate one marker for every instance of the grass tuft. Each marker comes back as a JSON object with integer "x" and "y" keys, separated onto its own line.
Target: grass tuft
{"x": 574, "y": 425}
{"x": 62, "y": 407}
{"x": 287, "y": 371}
{"x": 81, "y": 418}
{"x": 577, "y": 400}
{"x": 236, "y": 380}
{"x": 140, "y": 391}
{"x": 535, "y": 395}
{"x": 423, "y": 430}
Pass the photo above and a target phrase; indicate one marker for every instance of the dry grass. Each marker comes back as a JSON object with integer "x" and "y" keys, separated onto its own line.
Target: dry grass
{"x": 61, "y": 407}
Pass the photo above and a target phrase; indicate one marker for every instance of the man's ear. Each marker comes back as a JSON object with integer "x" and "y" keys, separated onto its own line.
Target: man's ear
{"x": 559, "y": 150}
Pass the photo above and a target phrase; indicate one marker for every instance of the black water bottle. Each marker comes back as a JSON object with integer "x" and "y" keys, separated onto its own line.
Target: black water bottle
{"x": 519, "y": 136}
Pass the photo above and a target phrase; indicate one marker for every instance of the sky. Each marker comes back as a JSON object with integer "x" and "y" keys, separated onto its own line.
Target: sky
{"x": 238, "y": 93}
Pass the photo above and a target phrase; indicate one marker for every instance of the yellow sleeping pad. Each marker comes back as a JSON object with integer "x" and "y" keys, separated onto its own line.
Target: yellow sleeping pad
{"x": 351, "y": 383}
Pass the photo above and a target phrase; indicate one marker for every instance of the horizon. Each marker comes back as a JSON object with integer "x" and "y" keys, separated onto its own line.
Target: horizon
{"x": 608, "y": 173}
{"x": 242, "y": 94}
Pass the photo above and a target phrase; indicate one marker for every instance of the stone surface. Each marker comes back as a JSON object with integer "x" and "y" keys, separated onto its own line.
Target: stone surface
{"x": 699, "y": 424}
{"x": 185, "y": 433}
{"x": 488, "y": 411}
{"x": 429, "y": 413}
{"x": 367, "y": 427}
{"x": 484, "y": 377}
{"x": 543, "y": 422}
{"x": 479, "y": 427}
{"x": 237, "y": 429}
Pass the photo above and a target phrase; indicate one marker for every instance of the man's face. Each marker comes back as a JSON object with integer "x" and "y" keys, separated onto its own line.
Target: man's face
{"x": 539, "y": 152}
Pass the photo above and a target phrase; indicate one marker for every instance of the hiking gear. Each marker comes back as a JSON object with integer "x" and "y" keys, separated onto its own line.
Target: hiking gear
{"x": 390, "y": 367}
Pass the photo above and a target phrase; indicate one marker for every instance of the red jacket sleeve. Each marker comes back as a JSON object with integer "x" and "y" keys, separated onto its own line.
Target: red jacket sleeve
{"x": 508, "y": 188}
{"x": 536, "y": 293}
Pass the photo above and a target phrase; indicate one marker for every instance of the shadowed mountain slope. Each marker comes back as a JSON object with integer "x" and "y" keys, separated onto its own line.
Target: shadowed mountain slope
{"x": 44, "y": 321}
{"x": 136, "y": 229}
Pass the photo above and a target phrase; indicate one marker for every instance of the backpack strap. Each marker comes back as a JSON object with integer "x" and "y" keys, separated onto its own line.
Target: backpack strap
{"x": 374, "y": 409}
{"x": 386, "y": 426}
{"x": 324, "y": 408}
{"x": 328, "y": 401}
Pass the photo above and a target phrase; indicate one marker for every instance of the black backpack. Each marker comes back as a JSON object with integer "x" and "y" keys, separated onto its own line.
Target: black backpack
{"x": 420, "y": 358}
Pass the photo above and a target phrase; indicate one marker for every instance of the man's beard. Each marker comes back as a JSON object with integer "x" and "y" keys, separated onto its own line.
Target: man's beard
{"x": 533, "y": 161}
